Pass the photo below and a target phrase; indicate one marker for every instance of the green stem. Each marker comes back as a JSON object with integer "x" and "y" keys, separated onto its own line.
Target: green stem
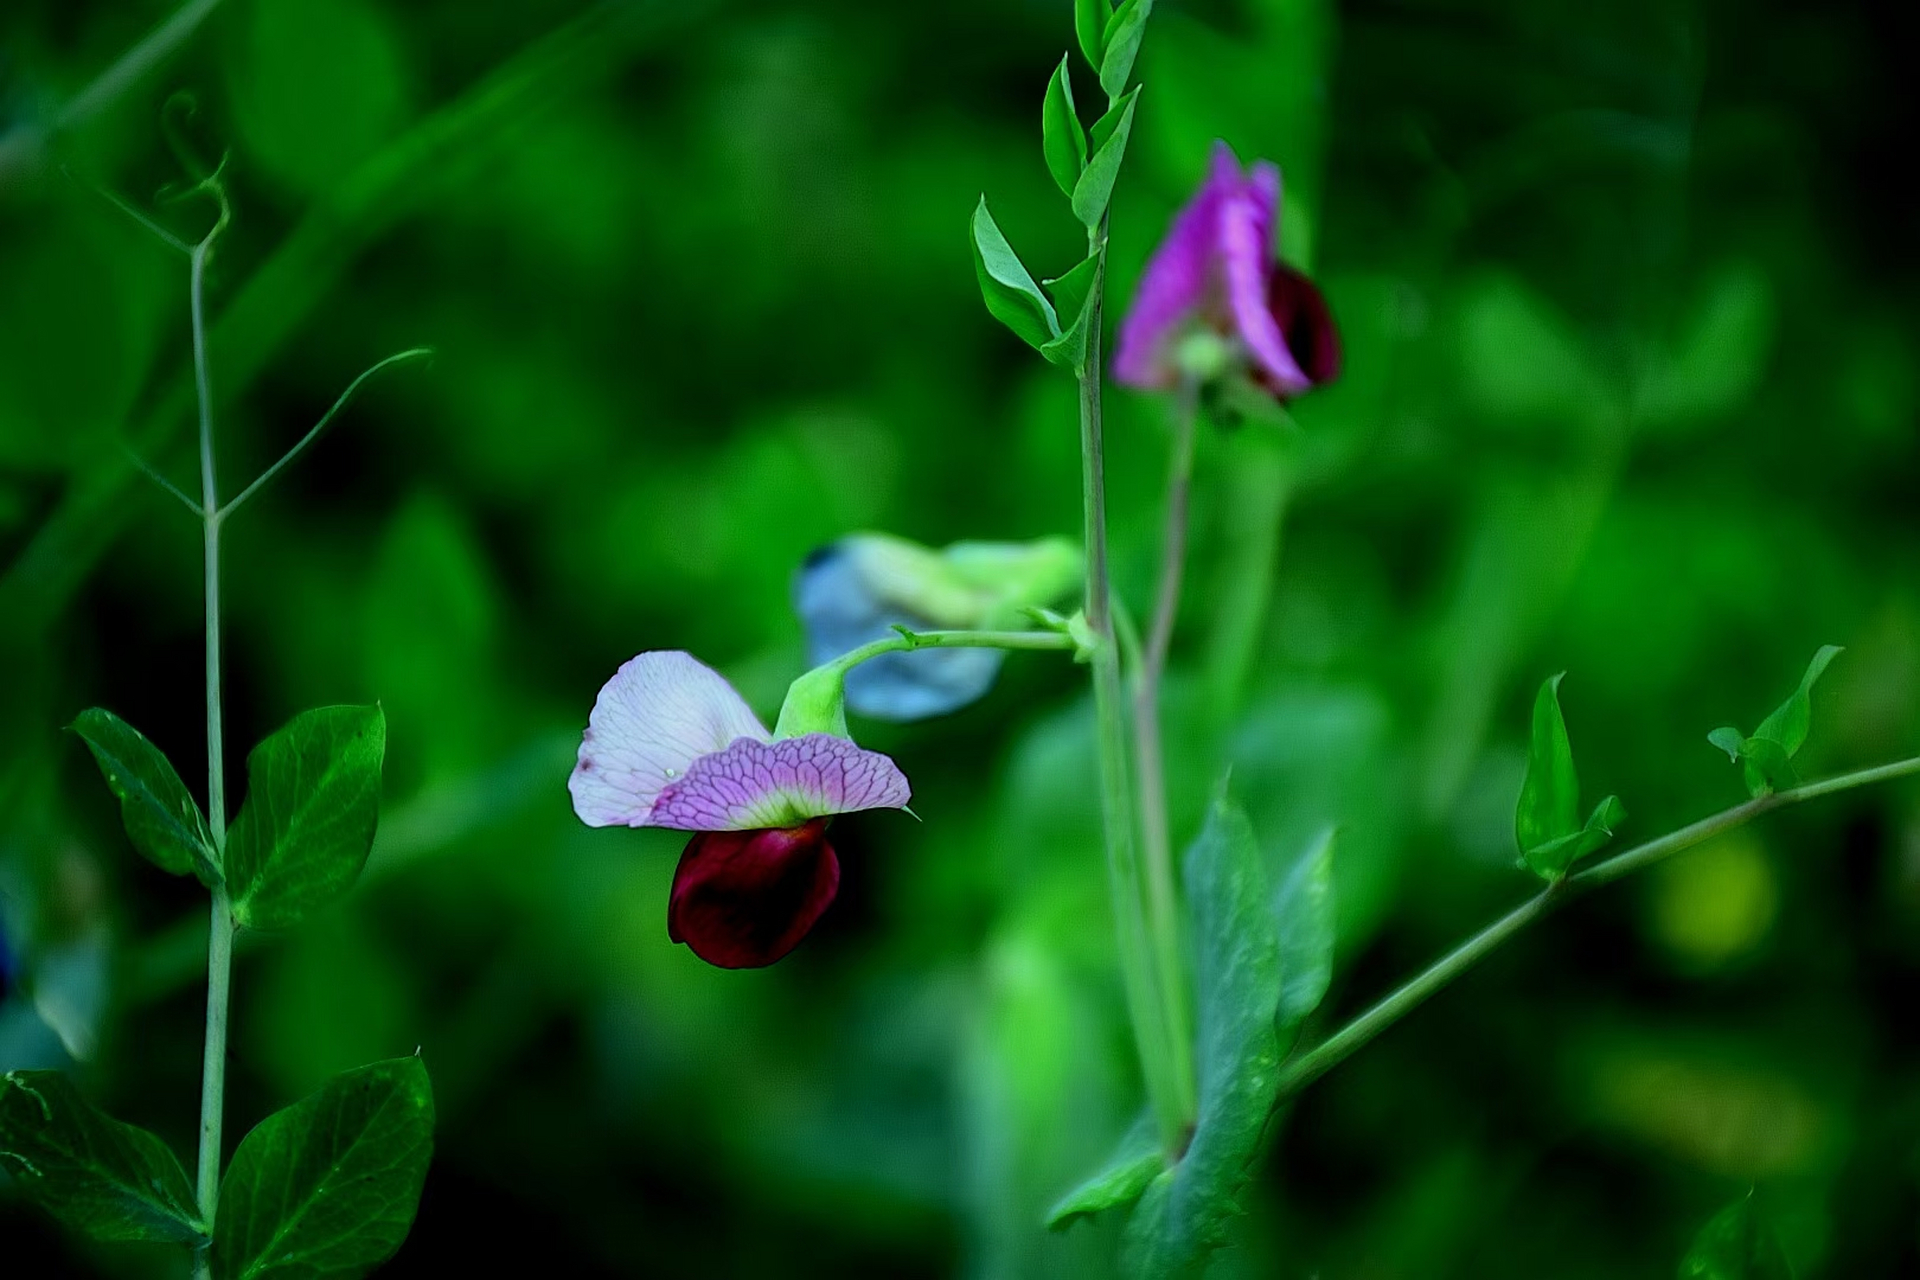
{"x": 220, "y": 929}
{"x": 1146, "y": 1000}
{"x": 1306, "y": 1067}
{"x": 906, "y": 641}
{"x": 1149, "y": 757}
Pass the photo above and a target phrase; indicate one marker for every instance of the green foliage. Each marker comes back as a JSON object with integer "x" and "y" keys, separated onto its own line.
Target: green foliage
{"x": 1305, "y": 919}
{"x": 313, "y": 800}
{"x": 1062, "y": 137}
{"x": 1121, "y": 44}
{"x": 1546, "y": 821}
{"x": 1736, "y": 1244}
{"x": 1073, "y": 296}
{"x": 162, "y": 819}
{"x": 111, "y": 1180}
{"x": 1007, "y": 286}
{"x": 1090, "y": 18}
{"x": 1184, "y": 1212}
{"x": 1766, "y": 758}
{"x": 327, "y": 1188}
{"x": 1094, "y": 190}
{"x": 1135, "y": 1163}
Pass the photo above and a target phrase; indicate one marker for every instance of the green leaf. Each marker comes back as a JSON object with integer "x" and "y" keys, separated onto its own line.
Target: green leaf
{"x": 1184, "y": 1213}
{"x": 162, "y": 819}
{"x": 97, "y": 1175}
{"x": 313, "y": 799}
{"x": 1728, "y": 739}
{"x": 1094, "y": 190}
{"x": 1073, "y": 295}
{"x": 1551, "y": 860}
{"x": 1133, "y": 1164}
{"x": 1061, "y": 136}
{"x": 1790, "y": 720}
{"x": 1090, "y": 18}
{"x": 326, "y": 1189}
{"x": 1304, "y": 914}
{"x": 1736, "y": 1244}
{"x": 1766, "y": 767}
{"x": 1006, "y": 285}
{"x": 1121, "y": 43}
{"x": 1549, "y": 807}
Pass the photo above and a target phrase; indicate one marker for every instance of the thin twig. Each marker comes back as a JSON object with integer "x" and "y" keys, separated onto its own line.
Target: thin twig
{"x": 147, "y": 469}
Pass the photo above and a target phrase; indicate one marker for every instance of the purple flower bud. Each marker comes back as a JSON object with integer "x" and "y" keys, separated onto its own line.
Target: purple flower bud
{"x": 1216, "y": 272}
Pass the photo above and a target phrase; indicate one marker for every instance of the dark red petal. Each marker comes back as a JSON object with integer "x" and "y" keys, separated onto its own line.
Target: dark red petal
{"x": 1301, "y": 312}
{"x": 743, "y": 899}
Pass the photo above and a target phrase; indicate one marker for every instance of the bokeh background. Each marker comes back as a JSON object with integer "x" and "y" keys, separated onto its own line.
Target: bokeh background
{"x": 1628, "y": 299}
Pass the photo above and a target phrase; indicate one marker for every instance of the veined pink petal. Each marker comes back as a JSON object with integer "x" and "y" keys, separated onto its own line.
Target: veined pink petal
{"x": 661, "y": 712}
{"x": 779, "y": 784}
{"x": 1246, "y": 265}
{"x": 1177, "y": 279}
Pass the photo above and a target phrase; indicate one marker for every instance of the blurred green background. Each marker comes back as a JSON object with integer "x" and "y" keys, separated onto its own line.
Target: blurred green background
{"x": 1628, "y": 299}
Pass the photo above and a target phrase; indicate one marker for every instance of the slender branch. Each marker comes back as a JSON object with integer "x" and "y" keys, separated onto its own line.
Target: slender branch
{"x": 414, "y": 353}
{"x": 1149, "y": 759}
{"x": 147, "y": 224}
{"x": 1309, "y": 1065}
{"x": 220, "y": 929}
{"x": 906, "y": 641}
{"x": 147, "y": 469}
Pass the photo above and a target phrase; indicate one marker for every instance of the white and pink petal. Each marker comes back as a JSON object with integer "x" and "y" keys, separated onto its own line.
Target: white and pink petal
{"x": 754, "y": 784}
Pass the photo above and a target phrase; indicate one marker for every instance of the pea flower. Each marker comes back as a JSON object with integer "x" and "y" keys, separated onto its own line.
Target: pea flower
{"x": 671, "y": 744}
{"x": 1215, "y": 276}
{"x": 860, "y": 588}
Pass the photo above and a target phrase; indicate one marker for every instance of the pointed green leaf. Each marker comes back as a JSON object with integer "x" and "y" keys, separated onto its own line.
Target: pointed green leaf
{"x": 1094, "y": 191}
{"x": 313, "y": 800}
{"x": 1551, "y": 860}
{"x": 1007, "y": 286}
{"x": 162, "y": 819}
{"x": 1122, "y": 44}
{"x": 1184, "y": 1212}
{"x": 1549, "y": 807}
{"x": 327, "y": 1189}
{"x": 1304, "y": 913}
{"x": 1790, "y": 720}
{"x": 111, "y": 1180}
{"x": 1090, "y": 18}
{"x": 1061, "y": 136}
{"x": 1133, "y": 1164}
{"x": 1736, "y": 1244}
{"x": 1073, "y": 296}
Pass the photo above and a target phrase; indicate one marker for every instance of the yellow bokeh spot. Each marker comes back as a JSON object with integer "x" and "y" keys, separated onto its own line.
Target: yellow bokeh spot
{"x": 1717, "y": 903}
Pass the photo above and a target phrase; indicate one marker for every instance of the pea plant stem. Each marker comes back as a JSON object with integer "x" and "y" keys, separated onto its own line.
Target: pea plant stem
{"x": 1166, "y": 1055}
{"x": 1309, "y": 1065}
{"x": 1149, "y": 757}
{"x": 220, "y": 930}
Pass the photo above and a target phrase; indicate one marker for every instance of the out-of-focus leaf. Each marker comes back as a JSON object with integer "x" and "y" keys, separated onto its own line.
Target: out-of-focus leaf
{"x": 327, "y": 1189}
{"x": 1122, "y": 44}
{"x": 1094, "y": 191}
{"x": 1728, "y": 739}
{"x": 161, "y": 817}
{"x": 1061, "y": 135}
{"x": 1133, "y": 1164}
{"x": 1183, "y": 1214}
{"x": 1304, "y": 913}
{"x": 111, "y": 1180}
{"x": 313, "y": 800}
{"x": 1007, "y": 286}
{"x": 1736, "y": 1244}
{"x": 1789, "y": 722}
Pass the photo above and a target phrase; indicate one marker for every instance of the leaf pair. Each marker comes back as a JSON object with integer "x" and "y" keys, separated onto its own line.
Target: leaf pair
{"x": 1546, "y": 822}
{"x": 313, "y": 801}
{"x": 1110, "y": 38}
{"x": 1767, "y": 757}
{"x": 1084, "y": 171}
{"x": 327, "y": 1187}
{"x": 1262, "y": 963}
